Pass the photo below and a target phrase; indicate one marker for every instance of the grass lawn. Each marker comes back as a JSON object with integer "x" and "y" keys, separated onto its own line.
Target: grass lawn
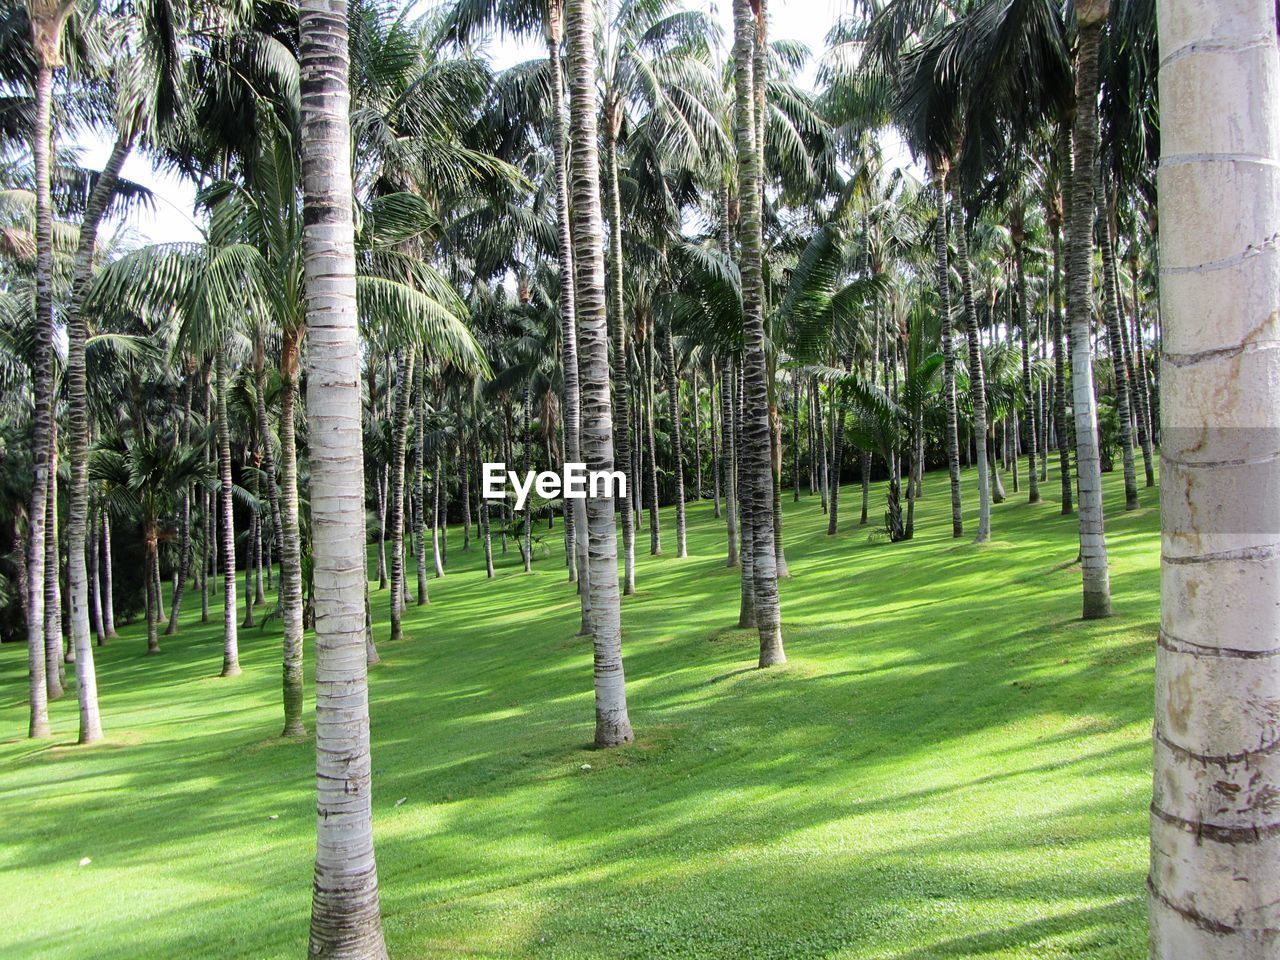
{"x": 952, "y": 764}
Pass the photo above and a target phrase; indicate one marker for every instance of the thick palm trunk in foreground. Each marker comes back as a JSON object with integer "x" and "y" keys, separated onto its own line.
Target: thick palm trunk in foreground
{"x": 576, "y": 529}
{"x": 613, "y": 725}
{"x": 47, "y": 20}
{"x": 1093, "y": 546}
{"x": 1215, "y": 847}
{"x": 756, "y": 454}
{"x": 346, "y": 920}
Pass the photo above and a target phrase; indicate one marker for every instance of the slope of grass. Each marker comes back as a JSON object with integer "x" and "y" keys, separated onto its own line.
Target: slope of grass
{"x": 952, "y": 764}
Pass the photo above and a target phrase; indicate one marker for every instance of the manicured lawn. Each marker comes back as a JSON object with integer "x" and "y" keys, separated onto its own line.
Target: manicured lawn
{"x": 951, "y": 765}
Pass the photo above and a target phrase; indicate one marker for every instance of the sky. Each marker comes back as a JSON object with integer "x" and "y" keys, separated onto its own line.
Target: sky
{"x": 171, "y": 220}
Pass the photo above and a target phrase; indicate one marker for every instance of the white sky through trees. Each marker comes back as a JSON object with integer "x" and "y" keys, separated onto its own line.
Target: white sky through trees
{"x": 807, "y": 21}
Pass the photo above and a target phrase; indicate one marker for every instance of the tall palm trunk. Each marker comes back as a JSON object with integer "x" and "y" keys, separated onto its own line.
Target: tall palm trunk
{"x": 1138, "y": 351}
{"x": 400, "y": 429}
{"x": 1093, "y": 546}
{"x": 576, "y": 529}
{"x": 651, "y": 465}
{"x": 618, "y": 332}
{"x": 1029, "y": 392}
{"x": 977, "y": 383}
{"x": 1060, "y": 381}
{"x": 230, "y": 639}
{"x": 419, "y": 483}
{"x": 728, "y": 458}
{"x": 756, "y": 454}
{"x": 437, "y": 481}
{"x": 1214, "y": 842}
{"x": 47, "y": 20}
{"x": 837, "y": 467}
{"x": 677, "y": 448}
{"x": 345, "y": 912}
{"x": 941, "y": 233}
{"x": 613, "y": 725}
{"x": 1119, "y": 365}
{"x": 108, "y": 591}
{"x": 184, "y": 519}
{"x": 78, "y": 583}
{"x": 291, "y": 541}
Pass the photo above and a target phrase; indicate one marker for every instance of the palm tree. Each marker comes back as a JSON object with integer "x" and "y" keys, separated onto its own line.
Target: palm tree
{"x": 1091, "y": 16}
{"x": 346, "y": 917}
{"x": 756, "y": 454}
{"x": 48, "y": 18}
{"x": 1213, "y": 844}
{"x": 613, "y": 725}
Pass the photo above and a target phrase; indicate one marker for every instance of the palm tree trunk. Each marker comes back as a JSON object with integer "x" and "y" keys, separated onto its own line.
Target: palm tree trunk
{"x": 400, "y": 429}
{"x": 618, "y": 332}
{"x": 81, "y": 594}
{"x": 382, "y": 526}
{"x": 1028, "y": 388}
{"x": 345, "y": 912}
{"x": 716, "y": 456}
{"x": 1060, "y": 382}
{"x": 419, "y": 485}
{"x": 95, "y": 580}
{"x": 437, "y": 508}
{"x": 291, "y": 541}
{"x": 795, "y": 439}
{"x": 47, "y": 20}
{"x": 655, "y": 517}
{"x": 757, "y": 459}
{"x": 677, "y": 448}
{"x": 941, "y": 234}
{"x": 108, "y": 593}
{"x": 613, "y": 725}
{"x": 55, "y": 670}
{"x": 576, "y": 531}
{"x": 837, "y": 467}
{"x": 1119, "y": 370}
{"x": 775, "y": 464}
{"x": 230, "y": 638}
{"x": 977, "y": 383}
{"x": 697, "y": 434}
{"x": 1146, "y": 428}
{"x": 1093, "y": 547}
{"x": 1214, "y": 843}
{"x": 464, "y": 483}
{"x": 728, "y": 457}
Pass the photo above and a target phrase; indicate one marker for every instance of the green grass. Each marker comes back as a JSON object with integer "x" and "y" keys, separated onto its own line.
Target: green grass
{"x": 952, "y": 764}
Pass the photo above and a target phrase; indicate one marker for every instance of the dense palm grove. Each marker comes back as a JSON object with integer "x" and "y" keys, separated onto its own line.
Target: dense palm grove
{"x": 653, "y": 248}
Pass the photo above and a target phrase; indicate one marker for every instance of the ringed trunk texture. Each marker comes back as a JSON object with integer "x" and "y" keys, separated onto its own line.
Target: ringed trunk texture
{"x": 613, "y": 724}
{"x": 756, "y": 454}
{"x": 1093, "y": 546}
{"x": 400, "y": 427}
{"x": 46, "y": 35}
{"x": 291, "y": 549}
{"x": 1215, "y": 846}
{"x": 346, "y": 920}
{"x": 230, "y": 639}
{"x": 575, "y": 529}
